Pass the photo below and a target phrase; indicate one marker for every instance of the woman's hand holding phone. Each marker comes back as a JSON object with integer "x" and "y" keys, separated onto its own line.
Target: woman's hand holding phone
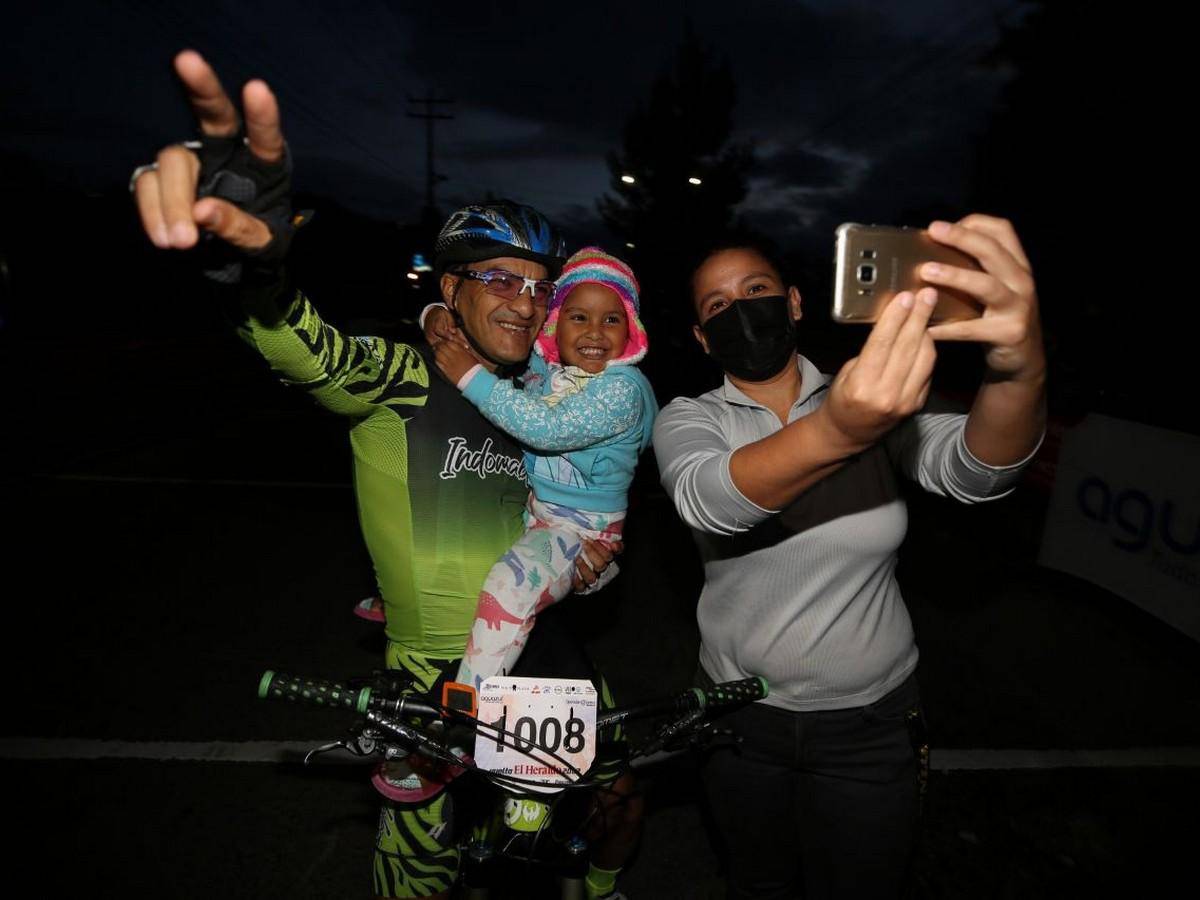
{"x": 1010, "y": 327}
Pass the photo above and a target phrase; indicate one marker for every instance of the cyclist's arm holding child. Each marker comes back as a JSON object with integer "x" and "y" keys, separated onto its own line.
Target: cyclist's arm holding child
{"x": 610, "y": 405}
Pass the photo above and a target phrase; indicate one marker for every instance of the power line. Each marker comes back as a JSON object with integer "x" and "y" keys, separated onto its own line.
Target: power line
{"x": 430, "y": 116}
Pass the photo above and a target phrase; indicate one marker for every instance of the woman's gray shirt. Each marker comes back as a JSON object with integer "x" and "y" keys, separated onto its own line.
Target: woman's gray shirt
{"x": 807, "y": 596}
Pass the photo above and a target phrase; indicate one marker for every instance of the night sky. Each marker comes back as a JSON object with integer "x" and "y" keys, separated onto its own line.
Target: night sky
{"x": 894, "y": 113}
{"x": 854, "y": 110}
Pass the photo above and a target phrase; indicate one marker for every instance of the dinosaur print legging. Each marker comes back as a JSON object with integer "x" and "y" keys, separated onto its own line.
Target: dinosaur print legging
{"x": 536, "y": 573}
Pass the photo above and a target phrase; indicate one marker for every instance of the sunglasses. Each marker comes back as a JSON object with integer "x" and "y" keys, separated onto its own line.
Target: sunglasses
{"x": 504, "y": 284}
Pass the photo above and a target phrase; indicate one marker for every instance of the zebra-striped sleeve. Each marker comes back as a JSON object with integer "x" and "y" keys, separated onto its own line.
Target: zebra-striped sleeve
{"x": 352, "y": 376}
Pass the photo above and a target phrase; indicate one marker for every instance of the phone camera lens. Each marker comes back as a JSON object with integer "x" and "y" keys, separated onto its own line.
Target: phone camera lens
{"x": 866, "y": 273}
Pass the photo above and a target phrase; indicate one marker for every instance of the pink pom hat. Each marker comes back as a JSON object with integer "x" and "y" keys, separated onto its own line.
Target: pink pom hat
{"x": 591, "y": 265}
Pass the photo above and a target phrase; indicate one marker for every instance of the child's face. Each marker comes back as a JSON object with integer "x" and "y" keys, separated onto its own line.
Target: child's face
{"x": 592, "y": 328}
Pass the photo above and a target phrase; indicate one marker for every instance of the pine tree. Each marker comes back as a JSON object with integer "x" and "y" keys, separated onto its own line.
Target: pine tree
{"x": 683, "y": 135}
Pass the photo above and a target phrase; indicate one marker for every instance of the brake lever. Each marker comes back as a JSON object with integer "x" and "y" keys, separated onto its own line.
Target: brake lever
{"x": 362, "y": 744}
{"x": 670, "y": 734}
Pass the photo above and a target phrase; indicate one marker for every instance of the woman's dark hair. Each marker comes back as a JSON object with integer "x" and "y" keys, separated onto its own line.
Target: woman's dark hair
{"x": 736, "y": 240}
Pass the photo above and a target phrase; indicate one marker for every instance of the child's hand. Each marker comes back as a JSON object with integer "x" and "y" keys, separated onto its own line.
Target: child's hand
{"x": 439, "y": 326}
{"x": 591, "y": 563}
{"x": 453, "y": 359}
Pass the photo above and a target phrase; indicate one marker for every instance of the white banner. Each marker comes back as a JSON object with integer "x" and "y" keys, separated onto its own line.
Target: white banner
{"x": 1125, "y": 514}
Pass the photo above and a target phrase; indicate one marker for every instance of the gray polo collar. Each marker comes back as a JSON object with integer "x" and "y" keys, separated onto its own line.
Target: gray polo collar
{"x": 811, "y": 381}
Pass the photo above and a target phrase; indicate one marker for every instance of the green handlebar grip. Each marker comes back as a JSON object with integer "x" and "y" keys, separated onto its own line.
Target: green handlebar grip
{"x": 264, "y": 684}
{"x": 745, "y": 690}
{"x": 314, "y": 691}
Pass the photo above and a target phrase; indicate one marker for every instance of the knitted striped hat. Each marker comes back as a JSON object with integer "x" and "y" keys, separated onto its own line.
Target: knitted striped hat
{"x": 591, "y": 265}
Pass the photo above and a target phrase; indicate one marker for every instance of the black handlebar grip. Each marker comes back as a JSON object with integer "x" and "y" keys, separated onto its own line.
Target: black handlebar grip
{"x": 315, "y": 691}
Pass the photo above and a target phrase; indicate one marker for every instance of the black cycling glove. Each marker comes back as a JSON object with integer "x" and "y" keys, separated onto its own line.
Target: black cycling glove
{"x": 230, "y": 171}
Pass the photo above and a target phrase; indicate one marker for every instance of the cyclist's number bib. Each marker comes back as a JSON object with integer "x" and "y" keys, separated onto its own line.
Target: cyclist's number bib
{"x": 538, "y": 715}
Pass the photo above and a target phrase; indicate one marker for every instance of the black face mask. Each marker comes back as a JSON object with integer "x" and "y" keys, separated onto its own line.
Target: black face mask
{"x": 752, "y": 339}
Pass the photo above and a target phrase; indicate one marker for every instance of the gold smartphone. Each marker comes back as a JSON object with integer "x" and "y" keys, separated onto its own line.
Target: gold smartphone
{"x": 874, "y": 263}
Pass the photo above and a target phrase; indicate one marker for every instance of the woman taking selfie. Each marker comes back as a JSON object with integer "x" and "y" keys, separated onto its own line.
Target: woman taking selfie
{"x": 788, "y": 480}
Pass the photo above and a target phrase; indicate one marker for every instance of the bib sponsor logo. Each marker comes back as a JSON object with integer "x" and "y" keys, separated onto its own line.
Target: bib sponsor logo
{"x": 520, "y": 810}
{"x": 483, "y": 462}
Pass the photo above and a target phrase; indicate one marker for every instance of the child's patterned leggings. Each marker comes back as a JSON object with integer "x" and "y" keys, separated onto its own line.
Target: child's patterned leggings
{"x": 536, "y": 573}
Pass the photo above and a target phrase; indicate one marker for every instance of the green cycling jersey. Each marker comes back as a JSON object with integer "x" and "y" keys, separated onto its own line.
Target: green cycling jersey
{"x": 439, "y": 489}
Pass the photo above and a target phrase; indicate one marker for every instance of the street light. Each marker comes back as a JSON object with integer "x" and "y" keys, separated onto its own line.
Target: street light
{"x": 694, "y": 180}
{"x": 413, "y": 276}
{"x": 629, "y": 245}
{"x": 628, "y": 179}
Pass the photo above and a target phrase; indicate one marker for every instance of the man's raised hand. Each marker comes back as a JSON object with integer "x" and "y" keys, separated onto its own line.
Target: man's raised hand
{"x": 234, "y": 187}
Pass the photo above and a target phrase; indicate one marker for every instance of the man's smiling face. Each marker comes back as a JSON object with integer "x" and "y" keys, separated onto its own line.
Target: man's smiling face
{"x": 503, "y": 329}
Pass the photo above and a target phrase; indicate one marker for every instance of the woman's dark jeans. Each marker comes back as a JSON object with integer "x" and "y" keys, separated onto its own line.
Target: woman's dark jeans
{"x": 819, "y": 804}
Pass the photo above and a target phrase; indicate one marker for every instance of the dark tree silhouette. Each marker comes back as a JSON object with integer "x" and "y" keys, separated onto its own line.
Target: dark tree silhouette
{"x": 662, "y": 217}
{"x": 1070, "y": 158}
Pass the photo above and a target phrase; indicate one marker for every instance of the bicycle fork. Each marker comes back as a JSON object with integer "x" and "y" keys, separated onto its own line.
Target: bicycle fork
{"x": 520, "y": 820}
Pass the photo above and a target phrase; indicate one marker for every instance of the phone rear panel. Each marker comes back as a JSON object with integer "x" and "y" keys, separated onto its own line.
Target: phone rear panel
{"x": 873, "y": 263}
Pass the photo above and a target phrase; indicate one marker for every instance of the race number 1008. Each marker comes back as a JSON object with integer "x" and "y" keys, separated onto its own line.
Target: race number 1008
{"x": 541, "y": 729}
{"x": 526, "y": 733}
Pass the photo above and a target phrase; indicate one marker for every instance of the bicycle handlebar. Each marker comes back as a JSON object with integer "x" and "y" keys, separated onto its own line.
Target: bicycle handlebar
{"x": 719, "y": 696}
{"x": 333, "y": 694}
{"x": 320, "y": 692}
{"x": 314, "y": 691}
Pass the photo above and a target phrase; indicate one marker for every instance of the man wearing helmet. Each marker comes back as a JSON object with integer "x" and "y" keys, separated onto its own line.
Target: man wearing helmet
{"x": 501, "y": 237}
{"x": 440, "y": 490}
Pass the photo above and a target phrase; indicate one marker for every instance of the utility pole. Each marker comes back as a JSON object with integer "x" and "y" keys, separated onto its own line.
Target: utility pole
{"x": 430, "y": 116}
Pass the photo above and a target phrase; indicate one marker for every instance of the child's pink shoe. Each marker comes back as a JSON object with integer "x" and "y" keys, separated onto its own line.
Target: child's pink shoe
{"x": 371, "y": 609}
{"x": 414, "y": 778}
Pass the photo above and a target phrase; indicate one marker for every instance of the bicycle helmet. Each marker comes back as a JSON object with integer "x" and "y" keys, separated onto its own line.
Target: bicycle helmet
{"x": 499, "y": 228}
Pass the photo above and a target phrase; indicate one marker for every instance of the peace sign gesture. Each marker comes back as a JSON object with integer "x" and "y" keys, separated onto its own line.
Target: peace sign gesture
{"x": 232, "y": 185}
